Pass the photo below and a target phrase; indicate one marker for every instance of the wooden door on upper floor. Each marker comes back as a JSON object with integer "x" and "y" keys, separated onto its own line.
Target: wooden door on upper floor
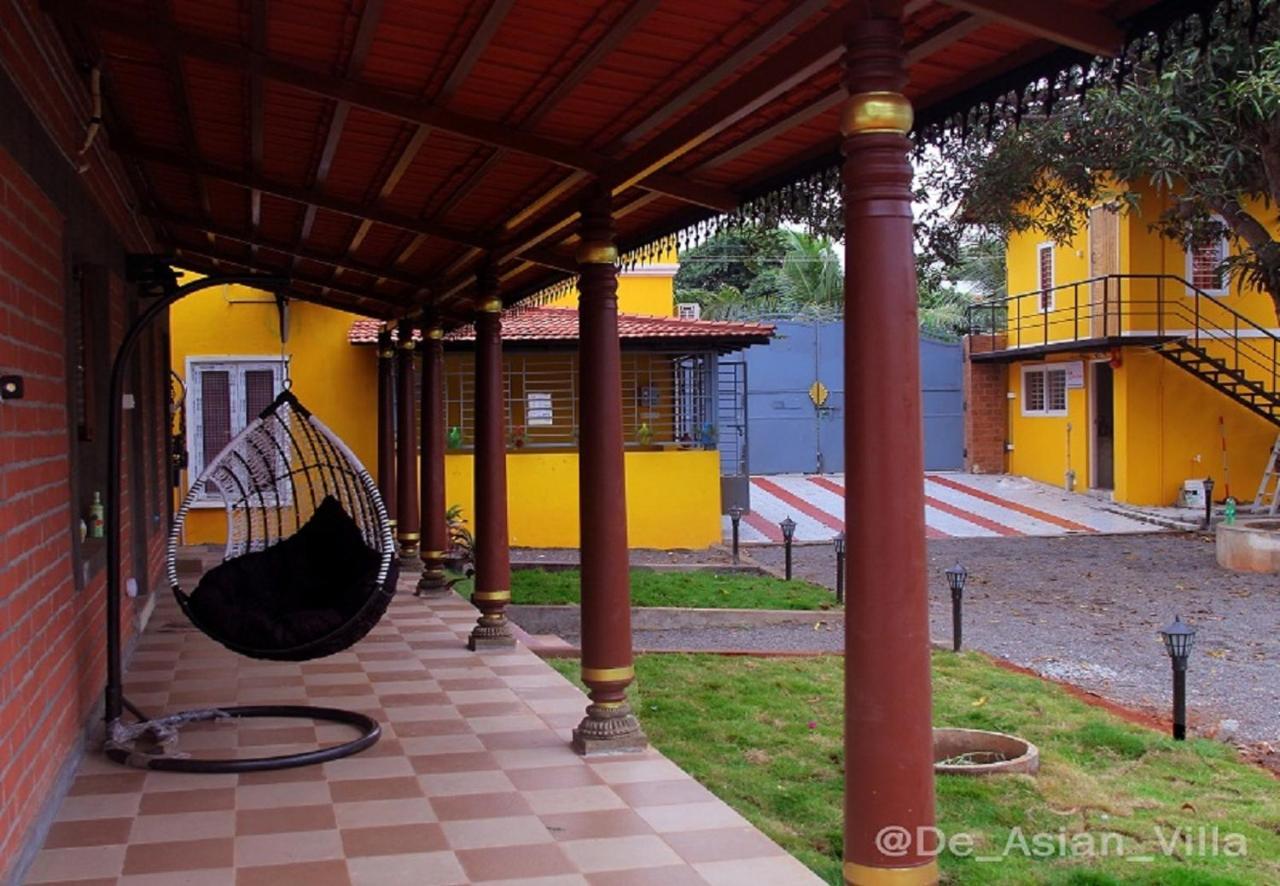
{"x": 1104, "y": 259}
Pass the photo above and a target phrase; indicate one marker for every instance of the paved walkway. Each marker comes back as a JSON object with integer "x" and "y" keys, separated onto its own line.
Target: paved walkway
{"x": 473, "y": 781}
{"x": 957, "y": 505}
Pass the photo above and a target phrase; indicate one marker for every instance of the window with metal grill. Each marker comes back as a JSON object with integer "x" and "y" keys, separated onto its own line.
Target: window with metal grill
{"x": 1044, "y": 390}
{"x": 1204, "y": 266}
{"x": 223, "y": 397}
{"x": 1044, "y": 269}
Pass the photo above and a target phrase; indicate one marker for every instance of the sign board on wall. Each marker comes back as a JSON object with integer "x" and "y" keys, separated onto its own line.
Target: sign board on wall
{"x": 1075, "y": 374}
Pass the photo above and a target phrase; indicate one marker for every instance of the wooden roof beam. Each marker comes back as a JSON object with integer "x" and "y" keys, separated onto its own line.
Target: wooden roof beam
{"x": 476, "y": 45}
{"x": 99, "y": 16}
{"x": 1063, "y": 23}
{"x": 296, "y": 194}
{"x": 303, "y": 253}
{"x": 348, "y": 299}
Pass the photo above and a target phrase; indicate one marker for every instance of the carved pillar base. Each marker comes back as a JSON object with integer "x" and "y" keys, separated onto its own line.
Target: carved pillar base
{"x": 492, "y": 631}
{"x": 609, "y": 728}
{"x": 433, "y": 582}
{"x": 410, "y": 561}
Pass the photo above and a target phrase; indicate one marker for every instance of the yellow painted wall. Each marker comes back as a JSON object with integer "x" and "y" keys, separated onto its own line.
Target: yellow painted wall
{"x": 336, "y": 381}
{"x": 1142, "y": 251}
{"x": 673, "y": 498}
{"x": 1040, "y": 442}
{"x": 1166, "y": 420}
{"x": 1166, "y": 432}
{"x": 648, "y": 290}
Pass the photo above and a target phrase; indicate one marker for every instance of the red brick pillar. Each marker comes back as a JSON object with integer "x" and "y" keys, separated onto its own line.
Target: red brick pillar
{"x": 607, "y": 665}
{"x": 986, "y": 414}
{"x": 888, "y": 741}
{"x": 493, "y": 556}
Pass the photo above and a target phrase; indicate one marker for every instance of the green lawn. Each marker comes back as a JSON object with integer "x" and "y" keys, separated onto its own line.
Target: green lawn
{"x": 686, "y": 589}
{"x": 742, "y": 727}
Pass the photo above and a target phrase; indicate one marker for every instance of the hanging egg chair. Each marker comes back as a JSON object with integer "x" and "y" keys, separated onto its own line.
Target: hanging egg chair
{"x": 310, "y": 564}
{"x": 309, "y": 568}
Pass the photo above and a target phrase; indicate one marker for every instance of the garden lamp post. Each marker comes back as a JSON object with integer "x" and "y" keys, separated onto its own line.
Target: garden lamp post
{"x": 1178, "y": 640}
{"x": 788, "y": 527}
{"x": 735, "y": 517}
{"x": 1208, "y": 503}
{"x": 839, "y": 540}
{"x": 956, "y": 577}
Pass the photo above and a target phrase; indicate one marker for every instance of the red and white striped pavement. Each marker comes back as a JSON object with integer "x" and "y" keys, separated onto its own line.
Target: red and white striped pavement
{"x": 956, "y": 506}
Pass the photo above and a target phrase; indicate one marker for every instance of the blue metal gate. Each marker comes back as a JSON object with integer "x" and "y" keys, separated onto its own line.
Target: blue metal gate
{"x": 795, "y": 401}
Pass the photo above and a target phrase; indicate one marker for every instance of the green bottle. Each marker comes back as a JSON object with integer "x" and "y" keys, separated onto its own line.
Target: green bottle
{"x": 1230, "y": 511}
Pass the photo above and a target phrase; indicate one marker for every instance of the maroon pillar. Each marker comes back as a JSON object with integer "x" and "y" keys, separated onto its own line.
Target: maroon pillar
{"x": 387, "y": 424}
{"x": 435, "y": 531}
{"x": 493, "y": 557}
{"x": 406, "y": 453}
{"x": 888, "y": 736}
{"x": 607, "y": 664}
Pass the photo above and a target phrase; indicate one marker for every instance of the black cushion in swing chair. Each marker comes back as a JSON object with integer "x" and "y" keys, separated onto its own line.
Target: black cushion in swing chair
{"x": 296, "y": 592}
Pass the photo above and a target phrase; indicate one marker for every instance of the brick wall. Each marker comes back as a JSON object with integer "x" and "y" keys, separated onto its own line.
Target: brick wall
{"x": 986, "y": 415}
{"x": 55, "y": 219}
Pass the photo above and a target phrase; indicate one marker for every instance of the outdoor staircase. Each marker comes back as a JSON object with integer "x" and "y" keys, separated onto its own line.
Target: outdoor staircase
{"x": 1234, "y": 382}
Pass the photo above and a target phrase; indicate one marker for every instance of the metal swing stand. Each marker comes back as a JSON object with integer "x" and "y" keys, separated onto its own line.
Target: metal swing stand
{"x": 154, "y": 270}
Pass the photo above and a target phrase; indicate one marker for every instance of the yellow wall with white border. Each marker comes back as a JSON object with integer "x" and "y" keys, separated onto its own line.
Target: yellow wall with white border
{"x": 673, "y": 497}
{"x": 1046, "y": 446}
{"x": 1166, "y": 430}
{"x": 1167, "y": 422}
{"x": 1142, "y": 251}
{"x": 648, "y": 290}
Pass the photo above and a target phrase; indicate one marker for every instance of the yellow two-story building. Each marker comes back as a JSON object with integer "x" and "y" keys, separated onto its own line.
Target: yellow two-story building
{"x": 229, "y": 362}
{"x": 1125, "y": 363}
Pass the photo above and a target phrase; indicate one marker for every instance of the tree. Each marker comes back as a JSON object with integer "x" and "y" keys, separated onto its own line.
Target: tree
{"x": 1198, "y": 121}
{"x": 811, "y": 279}
{"x": 735, "y": 257}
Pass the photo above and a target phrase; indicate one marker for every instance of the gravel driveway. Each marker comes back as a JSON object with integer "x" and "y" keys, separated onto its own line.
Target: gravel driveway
{"x": 1086, "y": 609}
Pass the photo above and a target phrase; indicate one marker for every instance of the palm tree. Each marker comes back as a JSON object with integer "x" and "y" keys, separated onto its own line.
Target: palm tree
{"x": 810, "y": 278}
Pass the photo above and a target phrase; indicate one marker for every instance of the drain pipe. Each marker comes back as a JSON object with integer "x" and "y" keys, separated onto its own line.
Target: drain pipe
{"x": 1069, "y": 479}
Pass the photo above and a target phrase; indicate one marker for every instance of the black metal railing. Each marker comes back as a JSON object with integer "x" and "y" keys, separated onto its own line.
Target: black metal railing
{"x": 1151, "y": 307}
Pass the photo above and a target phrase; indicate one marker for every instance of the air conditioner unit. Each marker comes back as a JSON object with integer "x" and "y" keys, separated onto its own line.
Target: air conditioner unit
{"x": 689, "y": 310}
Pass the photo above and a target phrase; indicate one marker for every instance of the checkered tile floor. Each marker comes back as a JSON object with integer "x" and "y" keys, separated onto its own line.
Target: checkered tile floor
{"x": 472, "y": 782}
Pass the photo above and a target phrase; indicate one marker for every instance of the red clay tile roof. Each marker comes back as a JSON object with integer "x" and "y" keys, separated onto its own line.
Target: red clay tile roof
{"x": 561, "y": 324}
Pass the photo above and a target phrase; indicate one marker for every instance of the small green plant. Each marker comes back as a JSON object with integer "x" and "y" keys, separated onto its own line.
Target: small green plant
{"x": 462, "y": 544}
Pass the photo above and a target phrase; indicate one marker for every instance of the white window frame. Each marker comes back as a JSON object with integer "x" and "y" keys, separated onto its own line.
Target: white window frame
{"x": 1042, "y": 291}
{"x": 1044, "y": 369}
{"x": 1225, "y": 289}
{"x": 236, "y": 366}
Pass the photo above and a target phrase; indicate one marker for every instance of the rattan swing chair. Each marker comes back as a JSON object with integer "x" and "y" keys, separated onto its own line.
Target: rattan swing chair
{"x": 309, "y": 567}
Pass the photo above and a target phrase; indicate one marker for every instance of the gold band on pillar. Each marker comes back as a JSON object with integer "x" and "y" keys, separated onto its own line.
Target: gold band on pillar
{"x": 432, "y": 555}
{"x": 409, "y": 536}
{"x": 492, "y": 306}
{"x": 435, "y": 333}
{"x": 876, "y": 112}
{"x": 609, "y": 675}
{"x": 865, "y": 875}
{"x": 601, "y": 253}
{"x": 491, "y": 596}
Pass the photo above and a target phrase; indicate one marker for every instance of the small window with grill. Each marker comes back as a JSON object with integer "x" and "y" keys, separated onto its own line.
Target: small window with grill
{"x": 1205, "y": 266}
{"x": 223, "y": 397}
{"x": 1044, "y": 275}
{"x": 1044, "y": 390}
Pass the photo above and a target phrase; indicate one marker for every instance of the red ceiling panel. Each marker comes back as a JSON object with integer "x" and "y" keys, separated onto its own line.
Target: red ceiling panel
{"x": 333, "y": 109}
